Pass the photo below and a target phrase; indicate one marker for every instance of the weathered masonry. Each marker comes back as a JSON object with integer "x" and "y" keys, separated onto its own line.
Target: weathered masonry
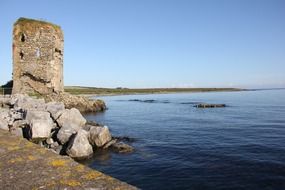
{"x": 37, "y": 57}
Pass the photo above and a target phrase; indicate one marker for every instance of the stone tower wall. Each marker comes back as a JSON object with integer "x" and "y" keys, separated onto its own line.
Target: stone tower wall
{"x": 37, "y": 57}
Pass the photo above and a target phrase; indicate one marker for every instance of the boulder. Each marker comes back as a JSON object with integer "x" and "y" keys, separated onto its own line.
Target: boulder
{"x": 20, "y": 124}
{"x": 16, "y": 131}
{"x": 53, "y": 108}
{"x": 49, "y": 141}
{"x": 36, "y": 114}
{"x": 4, "y": 114}
{"x": 70, "y": 116}
{"x": 54, "y": 145}
{"x": 66, "y": 131}
{"x": 58, "y": 149}
{"x": 25, "y": 102}
{"x": 16, "y": 114}
{"x": 79, "y": 147}
{"x": 121, "y": 147}
{"x": 98, "y": 136}
{"x": 4, "y": 119}
{"x": 4, "y": 124}
{"x": 4, "y": 102}
{"x": 40, "y": 129}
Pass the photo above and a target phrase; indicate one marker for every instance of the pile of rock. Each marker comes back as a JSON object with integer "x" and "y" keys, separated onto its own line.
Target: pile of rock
{"x": 82, "y": 103}
{"x": 65, "y": 131}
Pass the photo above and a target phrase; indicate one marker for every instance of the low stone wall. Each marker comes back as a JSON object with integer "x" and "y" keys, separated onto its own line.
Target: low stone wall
{"x": 26, "y": 166}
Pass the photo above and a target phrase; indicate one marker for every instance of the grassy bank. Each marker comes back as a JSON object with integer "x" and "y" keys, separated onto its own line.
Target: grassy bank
{"x": 122, "y": 91}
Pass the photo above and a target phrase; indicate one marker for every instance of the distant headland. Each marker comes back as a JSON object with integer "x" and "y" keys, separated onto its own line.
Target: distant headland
{"x": 82, "y": 90}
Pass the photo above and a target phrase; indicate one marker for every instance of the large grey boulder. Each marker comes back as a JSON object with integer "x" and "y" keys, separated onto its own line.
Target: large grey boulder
{"x": 36, "y": 114}
{"x": 66, "y": 131}
{"x": 40, "y": 129}
{"x": 70, "y": 116}
{"x": 79, "y": 147}
{"x": 98, "y": 136}
{"x": 40, "y": 124}
{"x": 54, "y": 107}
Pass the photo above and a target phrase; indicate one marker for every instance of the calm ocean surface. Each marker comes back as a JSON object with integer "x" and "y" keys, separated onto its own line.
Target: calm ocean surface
{"x": 178, "y": 146}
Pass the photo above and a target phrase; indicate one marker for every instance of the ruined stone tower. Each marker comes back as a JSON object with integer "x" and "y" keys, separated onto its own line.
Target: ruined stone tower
{"x": 37, "y": 57}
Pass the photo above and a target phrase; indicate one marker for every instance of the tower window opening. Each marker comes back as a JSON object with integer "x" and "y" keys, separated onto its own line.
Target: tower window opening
{"x": 23, "y": 37}
{"x": 21, "y": 55}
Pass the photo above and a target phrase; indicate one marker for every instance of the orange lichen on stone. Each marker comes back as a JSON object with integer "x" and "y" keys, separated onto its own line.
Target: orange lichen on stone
{"x": 13, "y": 148}
{"x": 42, "y": 151}
{"x": 92, "y": 175}
{"x": 70, "y": 182}
{"x": 50, "y": 184}
{"x": 79, "y": 168}
{"x": 9, "y": 143}
{"x": 28, "y": 145}
{"x": 32, "y": 158}
{"x": 58, "y": 163}
{"x": 15, "y": 160}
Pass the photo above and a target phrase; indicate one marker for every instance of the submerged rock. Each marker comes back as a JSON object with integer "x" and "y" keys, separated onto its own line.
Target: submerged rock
{"x": 99, "y": 136}
{"x": 121, "y": 147}
{"x": 79, "y": 147}
{"x": 110, "y": 143}
{"x": 210, "y": 105}
{"x": 125, "y": 139}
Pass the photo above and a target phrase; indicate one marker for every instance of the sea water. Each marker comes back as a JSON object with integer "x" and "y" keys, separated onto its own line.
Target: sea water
{"x": 179, "y": 146}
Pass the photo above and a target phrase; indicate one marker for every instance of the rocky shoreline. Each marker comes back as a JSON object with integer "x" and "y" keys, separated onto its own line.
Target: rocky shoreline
{"x": 53, "y": 126}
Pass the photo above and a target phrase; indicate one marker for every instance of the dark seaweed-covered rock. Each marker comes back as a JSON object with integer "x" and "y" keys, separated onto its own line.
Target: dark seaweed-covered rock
{"x": 125, "y": 139}
{"x": 121, "y": 147}
{"x": 210, "y": 105}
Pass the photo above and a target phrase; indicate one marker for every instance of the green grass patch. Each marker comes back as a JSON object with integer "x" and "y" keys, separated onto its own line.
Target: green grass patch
{"x": 121, "y": 91}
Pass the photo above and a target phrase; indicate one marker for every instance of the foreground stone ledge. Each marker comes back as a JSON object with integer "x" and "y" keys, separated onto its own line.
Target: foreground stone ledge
{"x": 24, "y": 165}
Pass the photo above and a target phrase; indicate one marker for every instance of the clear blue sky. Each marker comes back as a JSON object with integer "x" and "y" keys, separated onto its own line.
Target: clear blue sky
{"x": 160, "y": 43}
